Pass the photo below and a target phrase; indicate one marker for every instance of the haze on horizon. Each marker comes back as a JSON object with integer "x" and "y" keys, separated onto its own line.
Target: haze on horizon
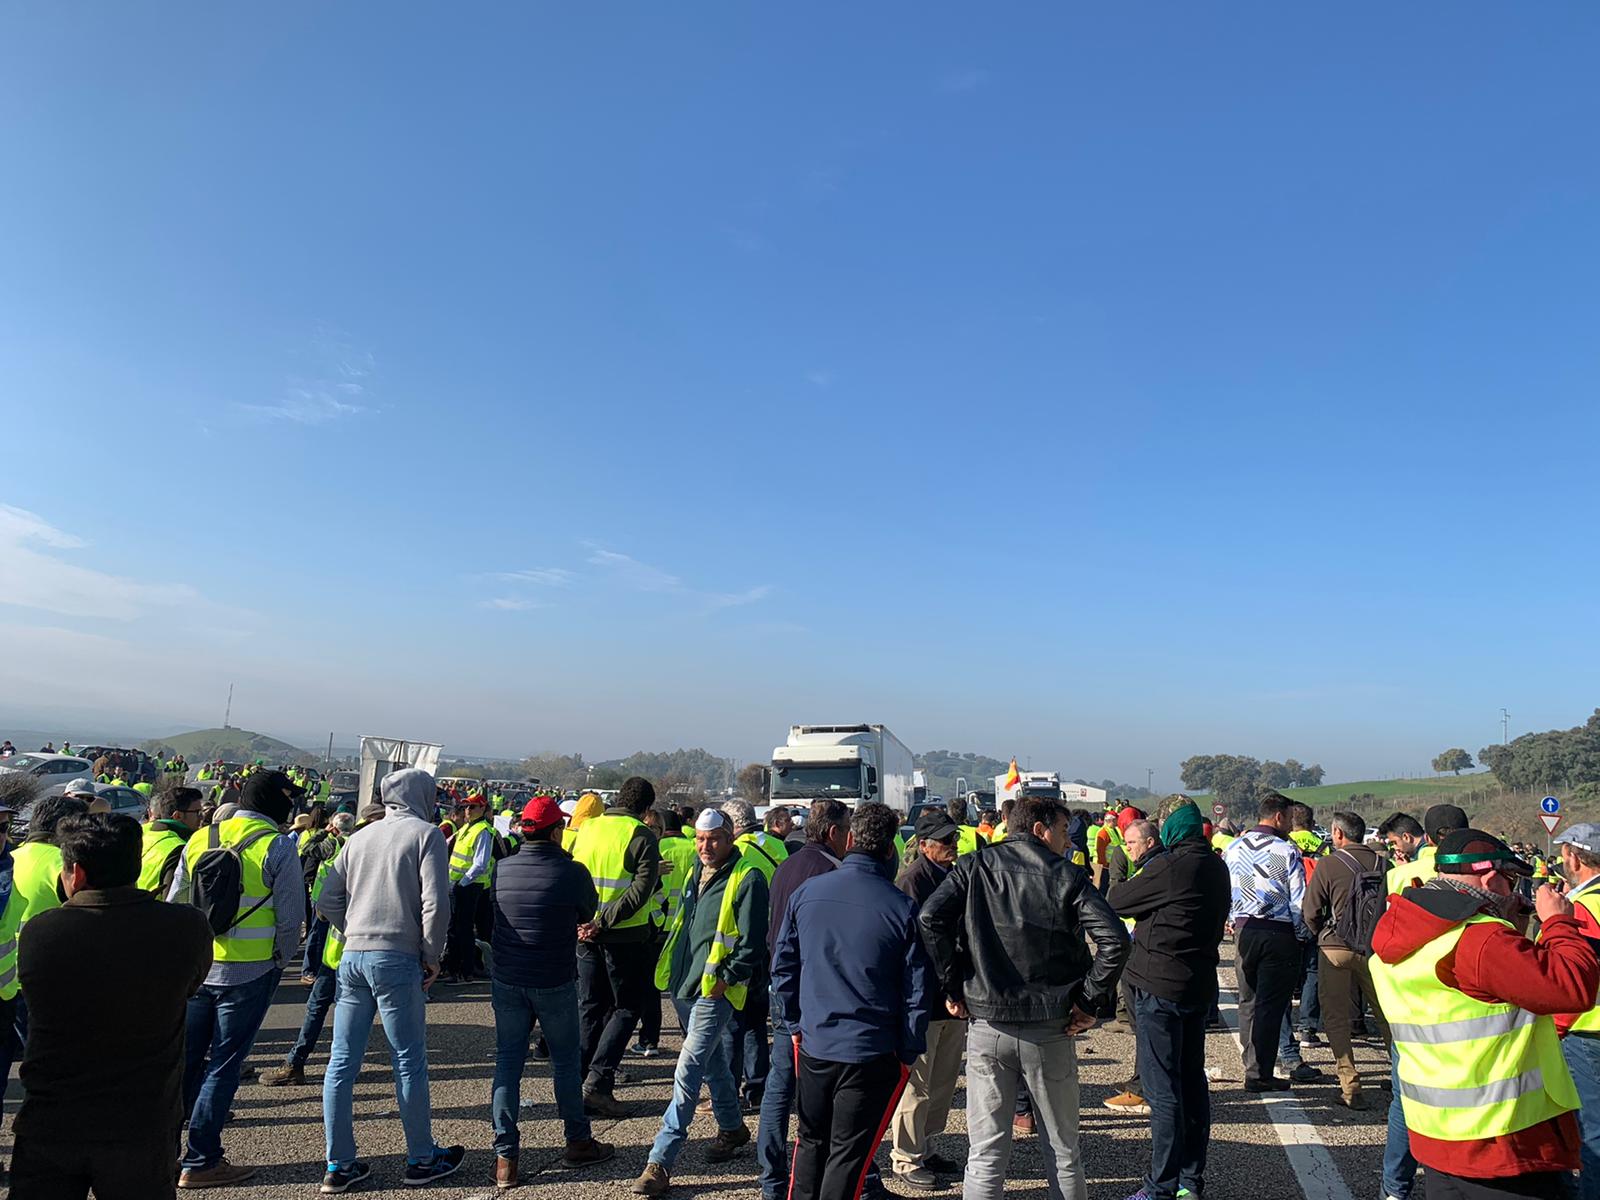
{"x": 1100, "y": 387}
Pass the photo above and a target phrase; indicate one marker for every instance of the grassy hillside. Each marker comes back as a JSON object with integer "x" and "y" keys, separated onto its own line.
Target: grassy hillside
{"x": 234, "y": 745}
{"x": 1443, "y": 789}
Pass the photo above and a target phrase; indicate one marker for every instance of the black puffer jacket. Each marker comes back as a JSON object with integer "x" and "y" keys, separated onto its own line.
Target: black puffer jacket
{"x": 1006, "y": 928}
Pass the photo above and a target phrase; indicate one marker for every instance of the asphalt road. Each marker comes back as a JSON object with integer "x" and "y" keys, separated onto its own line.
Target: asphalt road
{"x": 279, "y": 1130}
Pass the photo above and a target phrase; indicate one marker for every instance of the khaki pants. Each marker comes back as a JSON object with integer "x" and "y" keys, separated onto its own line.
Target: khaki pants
{"x": 1340, "y": 972}
{"x": 925, "y": 1106}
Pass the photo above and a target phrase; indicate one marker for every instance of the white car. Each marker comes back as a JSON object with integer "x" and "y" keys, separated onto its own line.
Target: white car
{"x": 53, "y": 771}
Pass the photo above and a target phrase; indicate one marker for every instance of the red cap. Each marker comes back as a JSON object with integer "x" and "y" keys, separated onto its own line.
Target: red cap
{"x": 540, "y": 813}
{"x": 1127, "y": 817}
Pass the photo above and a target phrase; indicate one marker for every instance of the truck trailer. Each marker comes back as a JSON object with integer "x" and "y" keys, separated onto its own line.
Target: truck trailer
{"x": 850, "y": 763}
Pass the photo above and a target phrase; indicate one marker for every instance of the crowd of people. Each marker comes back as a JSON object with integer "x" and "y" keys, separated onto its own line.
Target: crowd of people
{"x": 831, "y": 979}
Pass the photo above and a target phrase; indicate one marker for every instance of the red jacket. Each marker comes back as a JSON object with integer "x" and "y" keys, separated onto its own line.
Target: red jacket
{"x": 1497, "y": 965}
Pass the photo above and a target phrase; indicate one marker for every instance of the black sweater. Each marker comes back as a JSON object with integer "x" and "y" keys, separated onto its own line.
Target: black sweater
{"x": 1180, "y": 899}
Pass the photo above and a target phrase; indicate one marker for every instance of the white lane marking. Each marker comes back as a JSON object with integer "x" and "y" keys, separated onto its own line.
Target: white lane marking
{"x": 1314, "y": 1168}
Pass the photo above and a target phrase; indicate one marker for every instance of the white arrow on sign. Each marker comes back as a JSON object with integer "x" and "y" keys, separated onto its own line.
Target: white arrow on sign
{"x": 1551, "y": 820}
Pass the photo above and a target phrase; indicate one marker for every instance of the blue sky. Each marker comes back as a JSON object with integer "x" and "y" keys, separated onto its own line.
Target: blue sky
{"x": 1101, "y": 386}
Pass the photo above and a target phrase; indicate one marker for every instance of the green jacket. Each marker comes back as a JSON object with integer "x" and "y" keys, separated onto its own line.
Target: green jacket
{"x": 700, "y": 925}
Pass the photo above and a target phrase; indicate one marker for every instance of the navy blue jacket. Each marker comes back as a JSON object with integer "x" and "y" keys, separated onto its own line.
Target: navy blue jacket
{"x": 863, "y": 992}
{"x": 540, "y": 898}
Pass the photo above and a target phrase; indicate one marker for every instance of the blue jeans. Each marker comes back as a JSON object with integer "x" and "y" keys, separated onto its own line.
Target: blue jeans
{"x": 388, "y": 985}
{"x": 1171, "y": 1041}
{"x": 318, "y": 1005}
{"x": 1288, "y": 1046}
{"x": 515, "y": 1011}
{"x": 777, "y": 1103}
{"x": 702, "y": 1059}
{"x": 1399, "y": 1167}
{"x": 316, "y": 941}
{"x": 1583, "y": 1060}
{"x": 221, "y": 1027}
{"x": 1310, "y": 1000}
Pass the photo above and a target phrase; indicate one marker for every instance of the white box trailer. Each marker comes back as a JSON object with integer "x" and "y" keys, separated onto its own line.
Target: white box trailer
{"x": 381, "y": 756}
{"x": 850, "y": 763}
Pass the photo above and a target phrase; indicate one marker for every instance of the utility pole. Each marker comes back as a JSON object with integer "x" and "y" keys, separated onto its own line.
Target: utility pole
{"x": 227, "y": 713}
{"x": 330, "y": 752}
{"x": 1149, "y": 778}
{"x": 1505, "y": 727}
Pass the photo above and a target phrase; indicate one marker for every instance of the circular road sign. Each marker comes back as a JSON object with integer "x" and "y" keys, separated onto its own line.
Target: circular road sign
{"x": 1219, "y": 810}
{"x": 1550, "y": 805}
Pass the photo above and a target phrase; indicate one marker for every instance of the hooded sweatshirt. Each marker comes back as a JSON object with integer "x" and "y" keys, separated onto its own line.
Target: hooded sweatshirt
{"x": 389, "y": 889}
{"x": 1497, "y": 965}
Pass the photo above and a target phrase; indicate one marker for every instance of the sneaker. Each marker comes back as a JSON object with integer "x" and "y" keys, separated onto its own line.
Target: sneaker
{"x": 444, "y": 1162}
{"x": 1128, "y": 1102}
{"x": 541, "y": 1049}
{"x": 940, "y": 1165}
{"x": 640, "y": 1050}
{"x": 505, "y": 1171}
{"x": 587, "y": 1152}
{"x": 919, "y": 1179}
{"x": 1273, "y": 1083}
{"x": 620, "y": 1076}
{"x": 603, "y": 1104}
{"x": 1306, "y": 1073}
{"x": 283, "y": 1076}
{"x": 1141, "y": 1194}
{"x": 1355, "y": 1102}
{"x": 728, "y": 1143}
{"x": 1022, "y": 1125}
{"x": 223, "y": 1174}
{"x": 1309, "y": 1038}
{"x": 652, "y": 1181}
{"x": 344, "y": 1178}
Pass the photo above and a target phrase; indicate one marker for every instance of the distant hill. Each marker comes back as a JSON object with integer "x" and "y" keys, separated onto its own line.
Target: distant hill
{"x": 234, "y": 745}
{"x": 1437, "y": 789}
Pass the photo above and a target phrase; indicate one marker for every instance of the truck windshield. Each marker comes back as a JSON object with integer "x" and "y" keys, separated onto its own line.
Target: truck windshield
{"x": 834, "y": 780}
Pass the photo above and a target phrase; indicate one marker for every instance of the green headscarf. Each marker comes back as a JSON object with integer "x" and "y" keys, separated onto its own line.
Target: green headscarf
{"x": 1184, "y": 821}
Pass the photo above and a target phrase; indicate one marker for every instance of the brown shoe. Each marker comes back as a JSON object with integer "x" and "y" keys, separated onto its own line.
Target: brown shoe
{"x": 1022, "y": 1125}
{"x": 224, "y": 1174}
{"x": 1128, "y": 1102}
{"x": 283, "y": 1076}
{"x": 727, "y": 1143}
{"x": 704, "y": 1107}
{"x": 587, "y": 1152}
{"x": 505, "y": 1172}
{"x": 603, "y": 1104}
{"x": 1355, "y": 1102}
{"x": 653, "y": 1181}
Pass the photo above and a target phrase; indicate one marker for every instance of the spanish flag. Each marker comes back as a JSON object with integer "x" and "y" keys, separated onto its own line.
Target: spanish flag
{"x": 1013, "y": 776}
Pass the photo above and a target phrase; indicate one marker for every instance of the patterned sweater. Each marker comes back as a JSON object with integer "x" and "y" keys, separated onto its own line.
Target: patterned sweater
{"x": 1269, "y": 880}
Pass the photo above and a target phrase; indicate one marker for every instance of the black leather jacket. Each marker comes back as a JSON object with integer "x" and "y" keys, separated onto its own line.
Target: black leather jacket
{"x": 1006, "y": 931}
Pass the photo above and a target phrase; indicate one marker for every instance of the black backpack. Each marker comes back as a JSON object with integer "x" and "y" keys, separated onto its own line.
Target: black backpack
{"x": 1369, "y": 897}
{"x": 216, "y": 884}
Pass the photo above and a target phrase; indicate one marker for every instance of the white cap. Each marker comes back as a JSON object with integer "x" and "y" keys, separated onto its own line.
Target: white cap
{"x": 712, "y": 819}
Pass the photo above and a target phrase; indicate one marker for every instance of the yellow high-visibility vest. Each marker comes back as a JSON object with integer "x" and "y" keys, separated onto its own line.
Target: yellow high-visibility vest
{"x": 1468, "y": 1070}
{"x": 601, "y": 846}
{"x": 1400, "y": 877}
{"x": 722, "y": 943}
{"x": 36, "y": 877}
{"x": 465, "y": 849}
{"x": 159, "y": 843}
{"x": 251, "y": 939}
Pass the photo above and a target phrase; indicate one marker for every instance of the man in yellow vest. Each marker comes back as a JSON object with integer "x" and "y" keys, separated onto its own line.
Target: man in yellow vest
{"x": 226, "y": 1013}
{"x": 713, "y": 951}
{"x": 1579, "y": 847}
{"x": 1489, "y": 1102}
{"x": 745, "y": 1039}
{"x": 175, "y": 816}
{"x": 471, "y": 873}
{"x": 616, "y": 950}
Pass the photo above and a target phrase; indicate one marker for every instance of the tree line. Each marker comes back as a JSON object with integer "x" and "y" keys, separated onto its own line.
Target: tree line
{"x": 1553, "y": 759}
{"x": 1236, "y": 778}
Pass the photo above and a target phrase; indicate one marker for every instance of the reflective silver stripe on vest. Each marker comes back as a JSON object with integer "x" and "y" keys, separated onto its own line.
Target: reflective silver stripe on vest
{"x": 250, "y": 933}
{"x": 8, "y": 948}
{"x": 1501, "y": 1091}
{"x": 624, "y": 884}
{"x": 8, "y": 976}
{"x": 1469, "y": 1029}
{"x": 725, "y": 939}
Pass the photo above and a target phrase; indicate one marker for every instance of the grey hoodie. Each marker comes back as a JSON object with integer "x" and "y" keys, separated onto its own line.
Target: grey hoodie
{"x": 389, "y": 889}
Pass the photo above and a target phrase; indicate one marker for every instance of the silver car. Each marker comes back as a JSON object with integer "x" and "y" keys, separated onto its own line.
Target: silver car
{"x": 52, "y": 771}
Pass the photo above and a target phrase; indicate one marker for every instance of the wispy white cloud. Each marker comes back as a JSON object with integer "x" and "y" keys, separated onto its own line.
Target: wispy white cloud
{"x": 963, "y": 79}
{"x": 336, "y": 384}
{"x": 510, "y": 604}
{"x": 820, "y": 378}
{"x": 31, "y": 576}
{"x": 642, "y": 577}
{"x": 540, "y": 576}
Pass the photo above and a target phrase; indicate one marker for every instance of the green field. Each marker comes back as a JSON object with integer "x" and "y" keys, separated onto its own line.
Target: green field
{"x": 1433, "y": 790}
{"x": 233, "y": 745}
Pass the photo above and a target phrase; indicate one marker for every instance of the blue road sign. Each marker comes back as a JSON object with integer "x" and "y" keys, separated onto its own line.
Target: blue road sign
{"x": 1550, "y": 805}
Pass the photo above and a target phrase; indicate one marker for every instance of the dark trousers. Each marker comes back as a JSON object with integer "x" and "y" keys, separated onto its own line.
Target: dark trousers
{"x": 66, "y": 1170}
{"x": 1270, "y": 963}
{"x": 1172, "y": 1066}
{"x": 842, "y": 1110}
{"x": 1537, "y": 1185}
{"x": 616, "y": 981}
{"x": 745, "y": 1041}
{"x": 324, "y": 990}
{"x": 461, "y": 947}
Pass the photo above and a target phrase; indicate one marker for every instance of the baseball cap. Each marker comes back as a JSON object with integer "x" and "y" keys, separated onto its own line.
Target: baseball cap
{"x": 80, "y": 787}
{"x": 1442, "y": 819}
{"x": 935, "y": 825}
{"x": 1583, "y": 836}
{"x": 1474, "y": 852}
{"x": 541, "y": 812}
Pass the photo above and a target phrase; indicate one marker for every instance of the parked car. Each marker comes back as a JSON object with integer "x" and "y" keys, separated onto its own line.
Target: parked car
{"x": 125, "y": 800}
{"x": 53, "y": 771}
